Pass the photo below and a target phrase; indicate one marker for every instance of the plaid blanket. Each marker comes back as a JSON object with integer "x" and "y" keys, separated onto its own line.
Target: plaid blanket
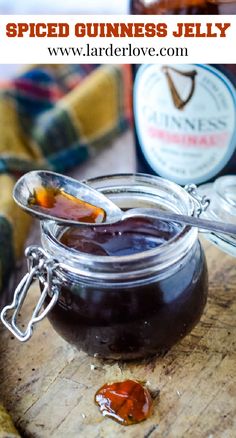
{"x": 53, "y": 117}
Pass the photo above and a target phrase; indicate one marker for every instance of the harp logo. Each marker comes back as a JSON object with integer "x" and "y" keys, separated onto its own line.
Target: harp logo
{"x": 185, "y": 119}
{"x": 190, "y": 76}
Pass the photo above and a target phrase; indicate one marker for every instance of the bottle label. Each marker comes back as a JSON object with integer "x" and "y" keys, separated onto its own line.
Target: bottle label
{"x": 185, "y": 117}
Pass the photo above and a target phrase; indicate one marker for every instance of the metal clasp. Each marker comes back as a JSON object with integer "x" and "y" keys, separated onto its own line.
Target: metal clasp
{"x": 40, "y": 267}
{"x": 202, "y": 202}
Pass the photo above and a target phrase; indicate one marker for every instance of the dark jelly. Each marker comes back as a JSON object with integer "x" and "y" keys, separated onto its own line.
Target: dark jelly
{"x": 131, "y": 318}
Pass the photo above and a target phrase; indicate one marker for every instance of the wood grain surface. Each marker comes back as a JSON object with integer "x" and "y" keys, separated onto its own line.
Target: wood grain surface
{"x": 48, "y": 387}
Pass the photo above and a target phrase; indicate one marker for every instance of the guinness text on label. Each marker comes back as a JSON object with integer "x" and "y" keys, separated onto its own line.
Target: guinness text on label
{"x": 180, "y": 123}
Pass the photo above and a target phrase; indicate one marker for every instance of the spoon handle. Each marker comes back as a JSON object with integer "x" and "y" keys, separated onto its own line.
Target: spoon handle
{"x": 209, "y": 225}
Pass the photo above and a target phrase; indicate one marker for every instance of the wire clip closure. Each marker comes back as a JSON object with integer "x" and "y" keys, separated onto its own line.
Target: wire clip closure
{"x": 41, "y": 268}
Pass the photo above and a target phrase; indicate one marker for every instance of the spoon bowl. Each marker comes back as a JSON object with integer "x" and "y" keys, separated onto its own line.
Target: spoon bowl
{"x": 29, "y": 183}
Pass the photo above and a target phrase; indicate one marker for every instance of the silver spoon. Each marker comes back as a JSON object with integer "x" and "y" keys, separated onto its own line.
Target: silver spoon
{"x": 205, "y": 224}
{"x": 28, "y": 184}
{"x": 31, "y": 181}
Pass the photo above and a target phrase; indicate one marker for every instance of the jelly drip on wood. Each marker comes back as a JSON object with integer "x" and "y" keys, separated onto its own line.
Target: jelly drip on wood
{"x": 60, "y": 204}
{"x": 126, "y": 402}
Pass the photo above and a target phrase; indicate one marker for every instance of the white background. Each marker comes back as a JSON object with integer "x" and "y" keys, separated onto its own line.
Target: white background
{"x": 64, "y": 6}
{"x": 201, "y": 50}
{"x": 57, "y": 7}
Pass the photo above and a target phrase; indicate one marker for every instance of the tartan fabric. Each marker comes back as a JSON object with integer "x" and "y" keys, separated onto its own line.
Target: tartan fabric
{"x": 53, "y": 117}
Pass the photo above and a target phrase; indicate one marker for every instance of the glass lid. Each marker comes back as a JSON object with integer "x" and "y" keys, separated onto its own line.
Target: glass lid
{"x": 222, "y": 207}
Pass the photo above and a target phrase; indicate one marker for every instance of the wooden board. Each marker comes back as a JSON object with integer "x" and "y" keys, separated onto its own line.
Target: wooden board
{"x": 49, "y": 387}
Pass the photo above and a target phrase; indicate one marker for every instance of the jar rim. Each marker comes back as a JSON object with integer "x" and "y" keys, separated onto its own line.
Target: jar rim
{"x": 162, "y": 255}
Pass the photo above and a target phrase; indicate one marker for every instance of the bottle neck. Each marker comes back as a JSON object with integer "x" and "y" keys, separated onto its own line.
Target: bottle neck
{"x": 183, "y": 7}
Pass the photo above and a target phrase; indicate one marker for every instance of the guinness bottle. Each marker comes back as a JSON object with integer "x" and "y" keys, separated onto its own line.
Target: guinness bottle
{"x": 185, "y": 115}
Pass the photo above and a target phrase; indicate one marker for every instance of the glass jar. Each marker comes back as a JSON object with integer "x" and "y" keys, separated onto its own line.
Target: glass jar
{"x": 222, "y": 208}
{"x": 121, "y": 307}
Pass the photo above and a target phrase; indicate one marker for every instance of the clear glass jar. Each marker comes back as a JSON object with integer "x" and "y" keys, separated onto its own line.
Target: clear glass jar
{"x": 222, "y": 196}
{"x": 131, "y": 306}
